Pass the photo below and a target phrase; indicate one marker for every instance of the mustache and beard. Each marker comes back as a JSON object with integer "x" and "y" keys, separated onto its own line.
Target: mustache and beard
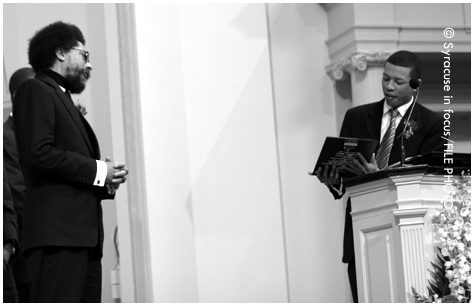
{"x": 75, "y": 83}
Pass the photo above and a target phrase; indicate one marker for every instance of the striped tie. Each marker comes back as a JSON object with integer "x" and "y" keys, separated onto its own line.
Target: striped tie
{"x": 382, "y": 157}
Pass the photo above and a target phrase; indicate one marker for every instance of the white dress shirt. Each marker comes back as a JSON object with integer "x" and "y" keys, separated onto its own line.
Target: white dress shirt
{"x": 387, "y": 116}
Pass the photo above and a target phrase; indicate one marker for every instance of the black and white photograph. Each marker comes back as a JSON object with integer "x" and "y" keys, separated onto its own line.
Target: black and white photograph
{"x": 236, "y": 152}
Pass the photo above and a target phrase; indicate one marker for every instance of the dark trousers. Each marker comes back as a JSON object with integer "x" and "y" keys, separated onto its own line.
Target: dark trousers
{"x": 10, "y": 294}
{"x": 352, "y": 279}
{"x": 20, "y": 271}
{"x": 65, "y": 275}
{"x": 349, "y": 251}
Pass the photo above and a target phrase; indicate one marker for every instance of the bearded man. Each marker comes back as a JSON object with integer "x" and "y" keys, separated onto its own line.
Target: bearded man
{"x": 64, "y": 176}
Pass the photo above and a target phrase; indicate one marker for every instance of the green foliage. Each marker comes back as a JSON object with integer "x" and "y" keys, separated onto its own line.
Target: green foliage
{"x": 439, "y": 285}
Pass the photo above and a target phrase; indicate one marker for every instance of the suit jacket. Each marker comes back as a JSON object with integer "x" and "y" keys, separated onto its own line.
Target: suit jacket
{"x": 12, "y": 167}
{"x": 10, "y": 226}
{"x": 10, "y": 234}
{"x": 365, "y": 122}
{"x": 58, "y": 152}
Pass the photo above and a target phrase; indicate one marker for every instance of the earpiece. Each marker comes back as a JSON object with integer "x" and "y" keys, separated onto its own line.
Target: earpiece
{"x": 414, "y": 84}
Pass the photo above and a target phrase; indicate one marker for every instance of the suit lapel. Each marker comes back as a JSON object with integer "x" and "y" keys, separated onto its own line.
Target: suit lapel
{"x": 94, "y": 144}
{"x": 373, "y": 121}
{"x": 72, "y": 110}
{"x": 400, "y": 127}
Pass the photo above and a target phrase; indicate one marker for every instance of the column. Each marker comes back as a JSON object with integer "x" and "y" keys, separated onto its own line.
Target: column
{"x": 412, "y": 228}
{"x": 365, "y": 70}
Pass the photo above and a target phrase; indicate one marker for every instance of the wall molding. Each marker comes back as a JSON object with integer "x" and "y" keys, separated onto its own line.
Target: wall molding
{"x": 137, "y": 204}
{"x": 356, "y": 61}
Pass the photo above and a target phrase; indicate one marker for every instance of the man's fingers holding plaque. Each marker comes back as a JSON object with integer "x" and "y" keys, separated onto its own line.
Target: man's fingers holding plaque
{"x": 353, "y": 166}
{"x": 328, "y": 175}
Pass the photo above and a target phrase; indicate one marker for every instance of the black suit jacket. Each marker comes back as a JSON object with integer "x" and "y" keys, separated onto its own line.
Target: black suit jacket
{"x": 365, "y": 122}
{"x": 12, "y": 167}
{"x": 10, "y": 235}
{"x": 10, "y": 225}
{"x": 58, "y": 152}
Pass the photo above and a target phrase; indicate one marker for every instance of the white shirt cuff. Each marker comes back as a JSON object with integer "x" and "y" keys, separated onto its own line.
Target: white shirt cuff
{"x": 101, "y": 173}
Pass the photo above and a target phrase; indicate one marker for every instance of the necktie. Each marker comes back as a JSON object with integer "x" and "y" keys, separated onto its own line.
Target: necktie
{"x": 382, "y": 157}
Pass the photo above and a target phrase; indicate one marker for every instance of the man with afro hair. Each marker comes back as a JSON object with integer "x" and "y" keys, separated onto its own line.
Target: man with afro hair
{"x": 64, "y": 175}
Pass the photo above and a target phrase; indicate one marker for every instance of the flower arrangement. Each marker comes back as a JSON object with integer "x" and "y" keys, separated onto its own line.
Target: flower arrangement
{"x": 452, "y": 230}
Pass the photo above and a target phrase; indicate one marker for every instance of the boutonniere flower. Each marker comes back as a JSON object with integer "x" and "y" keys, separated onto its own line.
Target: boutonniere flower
{"x": 81, "y": 107}
{"x": 410, "y": 129}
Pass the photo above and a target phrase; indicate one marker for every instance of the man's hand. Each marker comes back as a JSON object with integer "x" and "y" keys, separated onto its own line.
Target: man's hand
{"x": 116, "y": 173}
{"x": 7, "y": 254}
{"x": 360, "y": 167}
{"x": 329, "y": 176}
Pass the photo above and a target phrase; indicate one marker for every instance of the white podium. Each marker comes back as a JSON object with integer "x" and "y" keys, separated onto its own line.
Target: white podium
{"x": 392, "y": 231}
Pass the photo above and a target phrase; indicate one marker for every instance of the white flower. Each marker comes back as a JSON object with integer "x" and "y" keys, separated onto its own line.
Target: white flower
{"x": 449, "y": 273}
{"x": 81, "y": 107}
{"x": 445, "y": 253}
{"x": 457, "y": 235}
{"x": 456, "y": 276}
{"x": 453, "y": 284}
{"x": 468, "y": 253}
{"x": 468, "y": 235}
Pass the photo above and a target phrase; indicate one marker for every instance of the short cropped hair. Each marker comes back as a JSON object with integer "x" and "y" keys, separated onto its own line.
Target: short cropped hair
{"x": 407, "y": 59}
{"x": 45, "y": 42}
{"x": 18, "y": 77}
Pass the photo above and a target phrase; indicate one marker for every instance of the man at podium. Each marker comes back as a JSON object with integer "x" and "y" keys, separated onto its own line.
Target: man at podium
{"x": 398, "y": 122}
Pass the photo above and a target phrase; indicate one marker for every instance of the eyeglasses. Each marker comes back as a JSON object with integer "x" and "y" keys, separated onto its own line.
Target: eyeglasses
{"x": 84, "y": 53}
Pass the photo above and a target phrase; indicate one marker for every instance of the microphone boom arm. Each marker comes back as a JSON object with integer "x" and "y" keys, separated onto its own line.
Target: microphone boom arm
{"x": 415, "y": 84}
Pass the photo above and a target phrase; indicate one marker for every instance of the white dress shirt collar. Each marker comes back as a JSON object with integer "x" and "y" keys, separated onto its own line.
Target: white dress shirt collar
{"x": 401, "y": 109}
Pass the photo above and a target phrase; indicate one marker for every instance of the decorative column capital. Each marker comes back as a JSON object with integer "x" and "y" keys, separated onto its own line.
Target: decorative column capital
{"x": 356, "y": 61}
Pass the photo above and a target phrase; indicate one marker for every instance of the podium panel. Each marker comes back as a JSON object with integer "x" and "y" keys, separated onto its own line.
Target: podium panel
{"x": 378, "y": 266}
{"x": 393, "y": 233}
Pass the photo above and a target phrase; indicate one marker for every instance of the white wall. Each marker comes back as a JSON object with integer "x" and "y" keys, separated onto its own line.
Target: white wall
{"x": 222, "y": 187}
{"x": 210, "y": 148}
{"x": 305, "y": 116}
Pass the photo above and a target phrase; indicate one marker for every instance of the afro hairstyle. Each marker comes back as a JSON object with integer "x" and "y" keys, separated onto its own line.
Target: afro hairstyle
{"x": 43, "y": 45}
